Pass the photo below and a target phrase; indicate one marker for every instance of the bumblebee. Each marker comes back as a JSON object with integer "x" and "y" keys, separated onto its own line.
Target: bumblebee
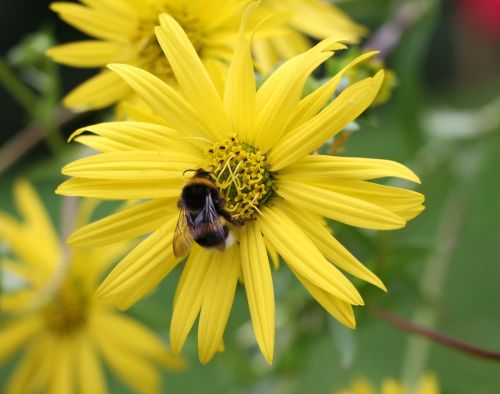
{"x": 202, "y": 217}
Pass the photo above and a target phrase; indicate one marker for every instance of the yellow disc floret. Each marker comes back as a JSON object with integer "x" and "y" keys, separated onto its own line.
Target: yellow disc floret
{"x": 150, "y": 51}
{"x": 67, "y": 311}
{"x": 242, "y": 176}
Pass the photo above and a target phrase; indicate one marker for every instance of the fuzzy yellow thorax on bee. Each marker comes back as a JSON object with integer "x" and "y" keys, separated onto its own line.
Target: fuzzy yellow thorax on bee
{"x": 150, "y": 51}
{"x": 242, "y": 176}
{"x": 67, "y": 311}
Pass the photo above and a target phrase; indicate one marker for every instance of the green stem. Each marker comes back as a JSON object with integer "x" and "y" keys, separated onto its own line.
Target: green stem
{"x": 16, "y": 87}
{"x": 27, "y": 138}
{"x": 435, "y": 336}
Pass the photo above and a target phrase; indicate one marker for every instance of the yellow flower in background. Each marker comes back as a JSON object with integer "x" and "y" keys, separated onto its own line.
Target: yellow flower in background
{"x": 63, "y": 330}
{"x": 428, "y": 385}
{"x": 123, "y": 32}
{"x": 256, "y": 147}
{"x": 307, "y": 19}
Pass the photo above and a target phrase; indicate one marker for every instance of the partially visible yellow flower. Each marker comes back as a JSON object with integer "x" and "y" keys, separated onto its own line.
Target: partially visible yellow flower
{"x": 64, "y": 331}
{"x": 123, "y": 32}
{"x": 257, "y": 146}
{"x": 428, "y": 385}
{"x": 307, "y": 19}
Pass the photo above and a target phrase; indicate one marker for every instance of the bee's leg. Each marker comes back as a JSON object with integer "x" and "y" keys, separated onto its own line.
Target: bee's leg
{"x": 180, "y": 204}
{"x": 221, "y": 202}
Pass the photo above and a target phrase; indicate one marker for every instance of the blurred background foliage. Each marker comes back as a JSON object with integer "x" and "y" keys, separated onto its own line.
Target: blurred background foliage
{"x": 442, "y": 271}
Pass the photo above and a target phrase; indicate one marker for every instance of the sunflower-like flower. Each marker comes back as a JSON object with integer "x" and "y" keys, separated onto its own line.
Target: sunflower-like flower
{"x": 124, "y": 33}
{"x": 428, "y": 384}
{"x": 255, "y": 150}
{"x": 63, "y": 328}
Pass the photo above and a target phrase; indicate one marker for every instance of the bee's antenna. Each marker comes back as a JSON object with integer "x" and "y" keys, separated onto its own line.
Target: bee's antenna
{"x": 191, "y": 170}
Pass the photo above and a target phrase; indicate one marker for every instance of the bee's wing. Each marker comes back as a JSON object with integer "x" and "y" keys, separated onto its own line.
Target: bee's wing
{"x": 182, "y": 237}
{"x": 208, "y": 220}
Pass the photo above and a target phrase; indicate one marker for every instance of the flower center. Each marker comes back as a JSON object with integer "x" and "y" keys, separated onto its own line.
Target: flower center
{"x": 242, "y": 176}
{"x": 67, "y": 311}
{"x": 150, "y": 51}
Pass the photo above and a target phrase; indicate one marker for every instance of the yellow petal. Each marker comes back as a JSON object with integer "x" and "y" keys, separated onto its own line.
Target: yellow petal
{"x": 339, "y": 309}
{"x": 36, "y": 216}
{"x": 217, "y": 69}
{"x": 145, "y": 343}
{"x": 17, "y": 334}
{"x": 145, "y": 136}
{"x": 18, "y": 300}
{"x": 314, "y": 102}
{"x": 218, "y": 14}
{"x": 153, "y": 257}
{"x": 132, "y": 295}
{"x": 62, "y": 358}
{"x": 328, "y": 168}
{"x": 188, "y": 296}
{"x": 133, "y": 165}
{"x": 289, "y": 43}
{"x": 15, "y": 234}
{"x": 136, "y": 371}
{"x": 239, "y": 95}
{"x": 319, "y": 19}
{"x": 100, "y": 144}
{"x": 162, "y": 99}
{"x": 259, "y": 287}
{"x": 402, "y": 202}
{"x": 360, "y": 386}
{"x": 273, "y": 254}
{"x": 303, "y": 256}
{"x": 105, "y": 25}
{"x": 98, "y": 92}
{"x": 428, "y": 384}
{"x": 135, "y": 109}
{"x": 87, "y": 53}
{"x": 280, "y": 94}
{"x": 102, "y": 259}
{"x": 33, "y": 371}
{"x": 192, "y": 76}
{"x": 312, "y": 134}
{"x": 127, "y": 224}
{"x": 112, "y": 189}
{"x": 339, "y": 207}
{"x": 35, "y": 241}
{"x": 123, "y": 8}
{"x": 220, "y": 287}
{"x": 264, "y": 55}
{"x": 392, "y": 386}
{"x": 329, "y": 246}
{"x": 89, "y": 373}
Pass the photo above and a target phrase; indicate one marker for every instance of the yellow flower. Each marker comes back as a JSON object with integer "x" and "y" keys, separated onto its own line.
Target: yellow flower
{"x": 257, "y": 147}
{"x": 123, "y": 32}
{"x": 62, "y": 327}
{"x": 428, "y": 385}
{"x": 307, "y": 18}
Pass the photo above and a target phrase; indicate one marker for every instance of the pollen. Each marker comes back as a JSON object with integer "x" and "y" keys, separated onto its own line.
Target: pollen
{"x": 242, "y": 176}
{"x": 151, "y": 55}
{"x": 67, "y": 311}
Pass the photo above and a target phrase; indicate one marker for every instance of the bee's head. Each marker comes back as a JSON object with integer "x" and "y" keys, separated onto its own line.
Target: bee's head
{"x": 200, "y": 173}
